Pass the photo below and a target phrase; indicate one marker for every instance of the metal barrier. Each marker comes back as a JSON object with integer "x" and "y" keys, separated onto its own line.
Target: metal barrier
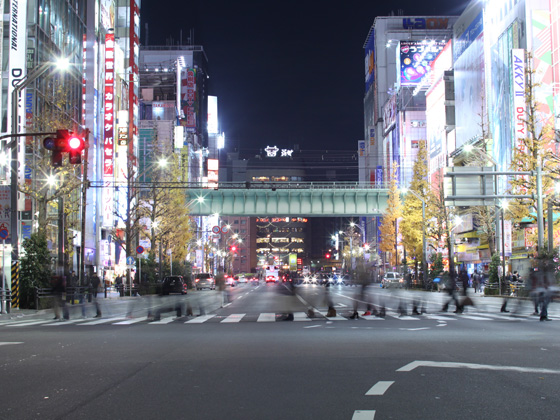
{"x": 41, "y": 293}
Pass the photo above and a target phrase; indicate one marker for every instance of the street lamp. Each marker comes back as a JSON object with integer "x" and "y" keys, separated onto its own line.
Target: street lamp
{"x": 424, "y": 242}
{"x": 29, "y": 78}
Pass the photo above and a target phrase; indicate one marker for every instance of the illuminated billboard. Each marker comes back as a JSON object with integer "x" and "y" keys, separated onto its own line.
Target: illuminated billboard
{"x": 213, "y": 115}
{"x": 370, "y": 61}
{"x": 415, "y": 58}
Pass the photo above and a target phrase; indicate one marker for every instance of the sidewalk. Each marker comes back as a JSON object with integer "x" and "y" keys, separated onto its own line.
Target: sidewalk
{"x": 31, "y": 313}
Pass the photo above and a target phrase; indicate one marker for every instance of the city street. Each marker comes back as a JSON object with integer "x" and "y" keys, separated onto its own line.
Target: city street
{"x": 247, "y": 361}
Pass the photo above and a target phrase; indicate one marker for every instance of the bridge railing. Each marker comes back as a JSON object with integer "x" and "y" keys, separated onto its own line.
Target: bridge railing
{"x": 320, "y": 185}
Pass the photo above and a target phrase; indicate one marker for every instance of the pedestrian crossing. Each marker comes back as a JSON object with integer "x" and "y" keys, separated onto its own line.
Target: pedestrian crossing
{"x": 271, "y": 317}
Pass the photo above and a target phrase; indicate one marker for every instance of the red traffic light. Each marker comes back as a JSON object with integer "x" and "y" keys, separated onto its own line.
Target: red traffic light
{"x": 327, "y": 256}
{"x": 233, "y": 248}
{"x": 65, "y": 142}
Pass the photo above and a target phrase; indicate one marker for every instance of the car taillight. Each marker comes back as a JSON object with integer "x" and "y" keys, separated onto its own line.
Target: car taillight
{"x": 196, "y": 280}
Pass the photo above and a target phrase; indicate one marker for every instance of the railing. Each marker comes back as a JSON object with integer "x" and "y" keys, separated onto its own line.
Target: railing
{"x": 319, "y": 185}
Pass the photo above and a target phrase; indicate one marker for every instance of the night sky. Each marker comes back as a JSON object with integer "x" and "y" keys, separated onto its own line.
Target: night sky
{"x": 285, "y": 73}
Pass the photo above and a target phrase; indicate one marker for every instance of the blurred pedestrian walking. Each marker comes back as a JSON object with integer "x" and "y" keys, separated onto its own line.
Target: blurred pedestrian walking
{"x": 58, "y": 288}
{"x": 95, "y": 282}
{"x": 451, "y": 289}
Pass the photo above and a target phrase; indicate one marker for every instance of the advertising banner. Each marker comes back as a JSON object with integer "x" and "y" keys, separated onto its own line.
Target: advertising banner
{"x": 519, "y": 103}
{"x": 415, "y": 58}
{"x": 370, "y": 61}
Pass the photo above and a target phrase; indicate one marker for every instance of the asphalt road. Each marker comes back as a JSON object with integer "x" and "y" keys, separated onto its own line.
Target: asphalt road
{"x": 245, "y": 361}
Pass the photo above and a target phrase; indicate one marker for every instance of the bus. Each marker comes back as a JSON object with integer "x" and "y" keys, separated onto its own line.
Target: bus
{"x": 271, "y": 273}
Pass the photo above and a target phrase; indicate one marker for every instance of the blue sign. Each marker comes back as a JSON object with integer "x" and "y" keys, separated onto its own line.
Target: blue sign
{"x": 130, "y": 260}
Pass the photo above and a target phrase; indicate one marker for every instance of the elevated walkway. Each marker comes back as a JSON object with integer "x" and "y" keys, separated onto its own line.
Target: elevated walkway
{"x": 319, "y": 199}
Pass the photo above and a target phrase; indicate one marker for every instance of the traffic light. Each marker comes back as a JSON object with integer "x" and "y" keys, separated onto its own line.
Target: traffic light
{"x": 76, "y": 145}
{"x": 327, "y": 256}
{"x": 233, "y": 248}
{"x": 65, "y": 142}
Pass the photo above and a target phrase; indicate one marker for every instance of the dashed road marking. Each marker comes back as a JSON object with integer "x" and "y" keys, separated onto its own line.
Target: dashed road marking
{"x": 363, "y": 415}
{"x": 380, "y": 388}
{"x": 9, "y": 343}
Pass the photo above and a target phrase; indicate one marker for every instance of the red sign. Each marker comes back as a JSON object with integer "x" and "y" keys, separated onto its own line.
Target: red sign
{"x": 188, "y": 98}
{"x": 108, "y": 119}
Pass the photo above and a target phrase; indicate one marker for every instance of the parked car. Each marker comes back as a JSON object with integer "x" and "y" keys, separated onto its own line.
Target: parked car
{"x": 392, "y": 279}
{"x": 173, "y": 284}
{"x": 204, "y": 281}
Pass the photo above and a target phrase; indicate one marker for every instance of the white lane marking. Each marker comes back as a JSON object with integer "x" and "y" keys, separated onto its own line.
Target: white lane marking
{"x": 25, "y": 324}
{"x": 130, "y": 321}
{"x": 333, "y": 318}
{"x": 312, "y": 326}
{"x": 267, "y": 317}
{"x": 9, "y": 343}
{"x": 233, "y": 318}
{"x": 380, "y": 388}
{"x": 426, "y": 363}
{"x": 167, "y": 320}
{"x": 200, "y": 319}
{"x": 363, "y": 415}
{"x": 103, "y": 320}
{"x": 301, "y": 316}
{"x": 414, "y": 329}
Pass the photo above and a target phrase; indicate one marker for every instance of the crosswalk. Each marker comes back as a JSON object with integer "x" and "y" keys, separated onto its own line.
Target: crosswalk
{"x": 271, "y": 317}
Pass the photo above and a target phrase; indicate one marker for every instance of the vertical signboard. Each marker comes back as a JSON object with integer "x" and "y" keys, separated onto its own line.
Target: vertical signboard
{"x": 17, "y": 71}
{"x": 212, "y": 115}
{"x": 519, "y": 102}
{"x": 108, "y": 131}
{"x": 188, "y": 100}
{"x": 370, "y": 61}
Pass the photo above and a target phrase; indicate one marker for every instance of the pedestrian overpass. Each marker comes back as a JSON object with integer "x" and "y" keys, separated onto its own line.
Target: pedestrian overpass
{"x": 319, "y": 199}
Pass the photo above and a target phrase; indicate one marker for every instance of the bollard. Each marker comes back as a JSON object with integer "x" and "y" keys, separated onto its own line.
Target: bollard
{"x": 105, "y": 290}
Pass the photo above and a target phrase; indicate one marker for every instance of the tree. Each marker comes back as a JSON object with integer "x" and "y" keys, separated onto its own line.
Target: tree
{"x": 412, "y": 224}
{"x": 36, "y": 268}
{"x": 439, "y": 218}
{"x": 388, "y": 228}
{"x": 54, "y": 191}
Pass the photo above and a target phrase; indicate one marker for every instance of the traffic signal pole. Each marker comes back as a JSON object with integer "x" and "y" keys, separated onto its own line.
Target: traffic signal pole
{"x": 81, "y": 274}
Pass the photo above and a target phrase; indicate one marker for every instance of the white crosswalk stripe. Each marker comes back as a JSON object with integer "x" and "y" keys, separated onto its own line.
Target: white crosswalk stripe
{"x": 200, "y": 319}
{"x": 271, "y": 317}
{"x": 103, "y": 321}
{"x": 301, "y": 316}
{"x": 267, "y": 317}
{"x": 163, "y": 321}
{"x": 233, "y": 318}
{"x": 130, "y": 321}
